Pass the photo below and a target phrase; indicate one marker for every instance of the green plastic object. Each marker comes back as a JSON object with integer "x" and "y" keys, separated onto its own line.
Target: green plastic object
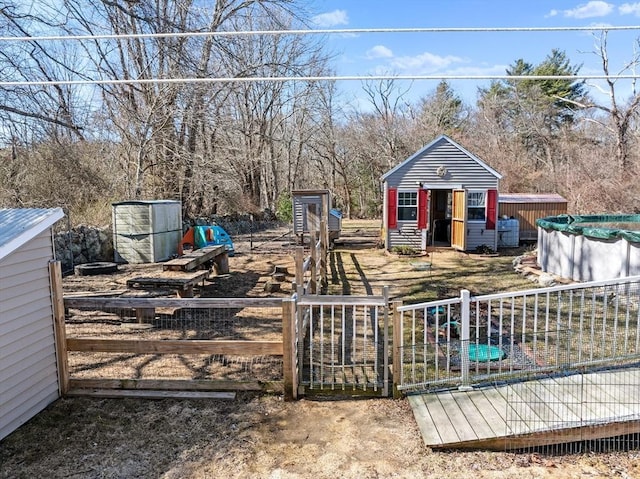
{"x": 604, "y": 227}
{"x": 484, "y": 353}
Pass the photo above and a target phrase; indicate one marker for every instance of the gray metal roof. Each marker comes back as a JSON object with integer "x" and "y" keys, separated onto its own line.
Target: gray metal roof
{"x": 531, "y": 198}
{"x": 19, "y": 225}
{"x": 144, "y": 202}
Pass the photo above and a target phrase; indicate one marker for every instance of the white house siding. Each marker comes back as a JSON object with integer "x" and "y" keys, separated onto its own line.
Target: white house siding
{"x": 28, "y": 377}
{"x": 462, "y": 172}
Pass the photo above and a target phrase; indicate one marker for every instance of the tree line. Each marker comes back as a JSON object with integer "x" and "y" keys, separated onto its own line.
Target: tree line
{"x": 242, "y": 147}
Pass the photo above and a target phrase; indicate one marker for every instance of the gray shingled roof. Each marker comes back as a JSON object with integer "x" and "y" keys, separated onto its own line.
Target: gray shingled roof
{"x": 19, "y": 225}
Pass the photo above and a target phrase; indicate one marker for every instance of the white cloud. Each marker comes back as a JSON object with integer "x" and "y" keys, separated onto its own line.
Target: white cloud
{"x": 552, "y": 13}
{"x": 425, "y": 62}
{"x": 331, "y": 19}
{"x": 594, "y": 8}
{"x": 379, "y": 51}
{"x": 630, "y": 9}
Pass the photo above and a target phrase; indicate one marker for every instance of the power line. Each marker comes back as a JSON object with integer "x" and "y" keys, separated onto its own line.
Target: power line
{"x": 143, "y": 81}
{"x": 344, "y": 31}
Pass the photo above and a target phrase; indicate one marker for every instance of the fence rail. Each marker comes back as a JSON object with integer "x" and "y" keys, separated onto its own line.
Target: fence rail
{"x": 467, "y": 340}
{"x": 217, "y": 343}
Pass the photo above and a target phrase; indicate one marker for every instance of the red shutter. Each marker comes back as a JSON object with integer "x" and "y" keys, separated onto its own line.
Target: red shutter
{"x": 392, "y": 208}
{"x": 492, "y": 209}
{"x": 423, "y": 209}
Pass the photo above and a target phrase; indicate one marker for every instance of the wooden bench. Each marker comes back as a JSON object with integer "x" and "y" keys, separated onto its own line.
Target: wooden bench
{"x": 200, "y": 257}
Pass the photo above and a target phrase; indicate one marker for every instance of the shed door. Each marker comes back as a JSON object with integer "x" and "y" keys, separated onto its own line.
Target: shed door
{"x": 459, "y": 220}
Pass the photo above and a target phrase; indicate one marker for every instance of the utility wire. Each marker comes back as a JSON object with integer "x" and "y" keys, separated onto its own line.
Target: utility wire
{"x": 143, "y": 81}
{"x": 314, "y": 78}
{"x": 344, "y": 31}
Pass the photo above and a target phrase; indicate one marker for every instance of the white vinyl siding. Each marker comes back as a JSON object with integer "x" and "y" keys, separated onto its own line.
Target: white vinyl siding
{"x": 28, "y": 370}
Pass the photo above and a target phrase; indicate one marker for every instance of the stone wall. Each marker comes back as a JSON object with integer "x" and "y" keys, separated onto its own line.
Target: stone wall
{"x": 83, "y": 244}
{"x": 87, "y": 244}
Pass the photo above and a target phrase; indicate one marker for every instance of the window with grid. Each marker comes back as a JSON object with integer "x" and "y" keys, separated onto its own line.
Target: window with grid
{"x": 407, "y": 206}
{"x": 476, "y": 202}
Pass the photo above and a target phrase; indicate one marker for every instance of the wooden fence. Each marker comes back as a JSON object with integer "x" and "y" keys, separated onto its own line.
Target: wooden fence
{"x": 94, "y": 333}
{"x": 177, "y": 326}
{"x": 311, "y": 270}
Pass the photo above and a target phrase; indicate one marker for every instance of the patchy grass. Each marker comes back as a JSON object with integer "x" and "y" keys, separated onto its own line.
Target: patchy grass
{"x": 260, "y": 436}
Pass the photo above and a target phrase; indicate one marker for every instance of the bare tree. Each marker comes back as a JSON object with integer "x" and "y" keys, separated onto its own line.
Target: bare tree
{"x": 619, "y": 116}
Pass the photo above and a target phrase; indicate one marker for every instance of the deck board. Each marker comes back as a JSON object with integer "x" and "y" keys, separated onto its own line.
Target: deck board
{"x": 496, "y": 420}
{"x": 442, "y": 421}
{"x": 459, "y": 420}
{"x": 573, "y": 387}
{"x": 588, "y": 406}
{"x": 425, "y": 423}
{"x": 481, "y": 428}
{"x": 520, "y": 415}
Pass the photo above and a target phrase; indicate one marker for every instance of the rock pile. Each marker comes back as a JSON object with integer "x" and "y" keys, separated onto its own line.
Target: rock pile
{"x": 527, "y": 265}
{"x": 83, "y": 244}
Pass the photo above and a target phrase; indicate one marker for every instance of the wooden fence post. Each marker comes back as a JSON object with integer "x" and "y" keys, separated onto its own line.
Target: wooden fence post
{"x": 397, "y": 348}
{"x": 299, "y": 263}
{"x": 288, "y": 353}
{"x": 55, "y": 277}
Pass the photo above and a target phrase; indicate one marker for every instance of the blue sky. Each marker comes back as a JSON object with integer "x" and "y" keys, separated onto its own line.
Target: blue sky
{"x": 477, "y": 53}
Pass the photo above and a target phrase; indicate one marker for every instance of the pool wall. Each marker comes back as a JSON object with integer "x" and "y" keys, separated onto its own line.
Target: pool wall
{"x": 580, "y": 257}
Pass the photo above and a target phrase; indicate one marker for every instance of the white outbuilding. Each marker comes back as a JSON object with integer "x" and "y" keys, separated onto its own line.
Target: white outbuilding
{"x": 29, "y": 370}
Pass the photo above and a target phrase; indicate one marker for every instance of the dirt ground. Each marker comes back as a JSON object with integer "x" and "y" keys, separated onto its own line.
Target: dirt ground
{"x": 260, "y": 435}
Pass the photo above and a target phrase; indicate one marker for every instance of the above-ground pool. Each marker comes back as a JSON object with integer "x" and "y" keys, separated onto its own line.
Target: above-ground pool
{"x": 589, "y": 248}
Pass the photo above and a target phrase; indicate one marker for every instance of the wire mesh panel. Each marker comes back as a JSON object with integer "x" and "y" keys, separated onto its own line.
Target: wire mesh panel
{"x": 174, "y": 339}
{"x": 430, "y": 353}
{"x": 345, "y": 345}
{"x": 584, "y": 411}
{"x": 518, "y": 334}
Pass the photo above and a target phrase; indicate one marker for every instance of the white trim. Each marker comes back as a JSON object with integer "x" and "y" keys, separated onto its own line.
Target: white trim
{"x": 476, "y": 221}
{"x": 430, "y": 186}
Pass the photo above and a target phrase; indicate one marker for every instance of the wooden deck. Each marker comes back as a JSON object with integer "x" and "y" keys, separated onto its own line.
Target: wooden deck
{"x": 533, "y": 413}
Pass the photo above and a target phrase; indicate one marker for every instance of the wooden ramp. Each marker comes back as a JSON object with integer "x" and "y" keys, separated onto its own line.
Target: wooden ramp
{"x": 532, "y": 413}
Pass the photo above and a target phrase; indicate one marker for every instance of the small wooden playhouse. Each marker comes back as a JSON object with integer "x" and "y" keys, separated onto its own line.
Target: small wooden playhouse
{"x": 442, "y": 195}
{"x": 29, "y": 379}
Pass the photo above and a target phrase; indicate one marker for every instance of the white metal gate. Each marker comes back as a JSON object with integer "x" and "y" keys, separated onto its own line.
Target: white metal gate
{"x": 343, "y": 344}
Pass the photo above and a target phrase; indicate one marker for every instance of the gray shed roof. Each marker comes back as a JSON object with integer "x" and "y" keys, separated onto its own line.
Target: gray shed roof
{"x": 420, "y": 152}
{"x": 531, "y": 198}
{"x": 19, "y": 225}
